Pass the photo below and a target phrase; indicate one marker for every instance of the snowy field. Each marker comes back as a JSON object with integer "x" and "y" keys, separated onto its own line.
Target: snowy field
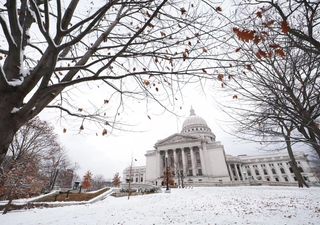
{"x": 216, "y": 205}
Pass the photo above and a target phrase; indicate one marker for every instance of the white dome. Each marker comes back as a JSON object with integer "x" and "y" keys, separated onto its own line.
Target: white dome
{"x": 193, "y": 120}
{"x": 196, "y": 125}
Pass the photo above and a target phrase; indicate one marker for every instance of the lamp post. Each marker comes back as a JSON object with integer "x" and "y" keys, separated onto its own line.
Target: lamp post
{"x": 167, "y": 175}
{"x": 130, "y": 176}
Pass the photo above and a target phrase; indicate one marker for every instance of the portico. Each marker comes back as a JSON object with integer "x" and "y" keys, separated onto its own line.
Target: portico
{"x": 195, "y": 156}
{"x": 193, "y": 153}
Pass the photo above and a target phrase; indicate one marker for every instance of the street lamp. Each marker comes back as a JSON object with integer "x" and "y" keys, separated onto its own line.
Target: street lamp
{"x": 167, "y": 175}
{"x": 130, "y": 177}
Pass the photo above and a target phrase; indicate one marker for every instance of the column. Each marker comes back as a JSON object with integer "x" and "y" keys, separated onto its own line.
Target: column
{"x": 276, "y": 166}
{"x": 184, "y": 165}
{"x": 203, "y": 167}
{"x": 270, "y": 172}
{"x": 286, "y": 169}
{"x": 260, "y": 171}
{"x": 236, "y": 171}
{"x": 240, "y": 172}
{"x": 158, "y": 164}
{"x": 175, "y": 161}
{"x": 193, "y": 163}
{"x": 230, "y": 171}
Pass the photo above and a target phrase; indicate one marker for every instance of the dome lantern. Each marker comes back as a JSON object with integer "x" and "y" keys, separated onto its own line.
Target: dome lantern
{"x": 196, "y": 125}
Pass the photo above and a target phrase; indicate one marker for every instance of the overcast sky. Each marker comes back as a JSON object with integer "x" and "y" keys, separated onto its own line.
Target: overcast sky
{"x": 112, "y": 153}
{"x": 109, "y": 154}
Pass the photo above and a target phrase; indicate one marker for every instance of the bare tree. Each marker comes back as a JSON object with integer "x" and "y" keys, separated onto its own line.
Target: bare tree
{"x": 22, "y": 180}
{"x": 98, "y": 182}
{"x": 32, "y": 162}
{"x": 274, "y": 74}
{"x": 136, "y": 49}
{"x": 276, "y": 77}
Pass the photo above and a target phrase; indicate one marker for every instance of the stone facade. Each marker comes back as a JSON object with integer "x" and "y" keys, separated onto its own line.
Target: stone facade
{"x": 195, "y": 154}
{"x": 136, "y": 173}
{"x": 274, "y": 168}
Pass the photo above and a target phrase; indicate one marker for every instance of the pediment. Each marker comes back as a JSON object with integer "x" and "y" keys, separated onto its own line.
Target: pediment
{"x": 176, "y": 138}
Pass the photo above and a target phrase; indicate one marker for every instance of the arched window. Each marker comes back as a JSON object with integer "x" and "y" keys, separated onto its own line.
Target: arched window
{"x": 257, "y": 172}
{"x": 282, "y": 170}
{"x": 273, "y": 171}
{"x": 249, "y": 172}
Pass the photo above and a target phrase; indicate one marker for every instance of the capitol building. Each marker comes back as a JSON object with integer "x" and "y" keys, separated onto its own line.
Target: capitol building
{"x": 195, "y": 155}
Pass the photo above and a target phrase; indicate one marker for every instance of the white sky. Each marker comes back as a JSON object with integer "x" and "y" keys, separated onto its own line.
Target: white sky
{"x": 109, "y": 154}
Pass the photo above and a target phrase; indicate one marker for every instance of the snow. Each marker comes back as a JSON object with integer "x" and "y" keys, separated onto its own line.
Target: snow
{"x": 23, "y": 201}
{"x": 16, "y": 82}
{"x": 210, "y": 205}
{"x": 24, "y": 71}
{"x": 15, "y": 109}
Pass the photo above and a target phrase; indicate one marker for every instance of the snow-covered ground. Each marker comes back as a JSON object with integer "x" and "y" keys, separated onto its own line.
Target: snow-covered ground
{"x": 215, "y": 205}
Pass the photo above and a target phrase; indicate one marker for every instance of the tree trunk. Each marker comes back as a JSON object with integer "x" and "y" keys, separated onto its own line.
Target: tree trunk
{"x": 7, "y": 207}
{"x": 9, "y": 122}
{"x": 7, "y": 132}
{"x": 293, "y": 164}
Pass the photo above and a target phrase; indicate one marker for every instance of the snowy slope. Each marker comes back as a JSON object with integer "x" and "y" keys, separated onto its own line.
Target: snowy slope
{"x": 216, "y": 205}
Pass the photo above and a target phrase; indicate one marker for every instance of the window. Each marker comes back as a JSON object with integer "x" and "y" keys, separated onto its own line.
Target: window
{"x": 282, "y": 170}
{"x": 137, "y": 179}
{"x": 265, "y": 172}
{"x": 273, "y": 171}
{"x": 141, "y": 179}
{"x": 190, "y": 173}
{"x": 257, "y": 172}
{"x": 295, "y": 178}
{"x": 286, "y": 179}
{"x": 268, "y": 179}
{"x": 200, "y": 172}
{"x": 291, "y": 170}
{"x": 249, "y": 172}
{"x": 277, "y": 179}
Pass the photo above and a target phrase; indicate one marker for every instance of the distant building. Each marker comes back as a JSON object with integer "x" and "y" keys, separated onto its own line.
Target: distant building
{"x": 195, "y": 154}
{"x": 137, "y": 174}
{"x": 274, "y": 168}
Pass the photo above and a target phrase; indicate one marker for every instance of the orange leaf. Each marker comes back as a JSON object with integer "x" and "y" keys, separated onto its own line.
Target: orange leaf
{"x": 146, "y": 82}
{"x": 259, "y": 14}
{"x": 274, "y": 46}
{"x": 285, "y": 27}
{"x": 280, "y": 52}
{"x": 220, "y": 77}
